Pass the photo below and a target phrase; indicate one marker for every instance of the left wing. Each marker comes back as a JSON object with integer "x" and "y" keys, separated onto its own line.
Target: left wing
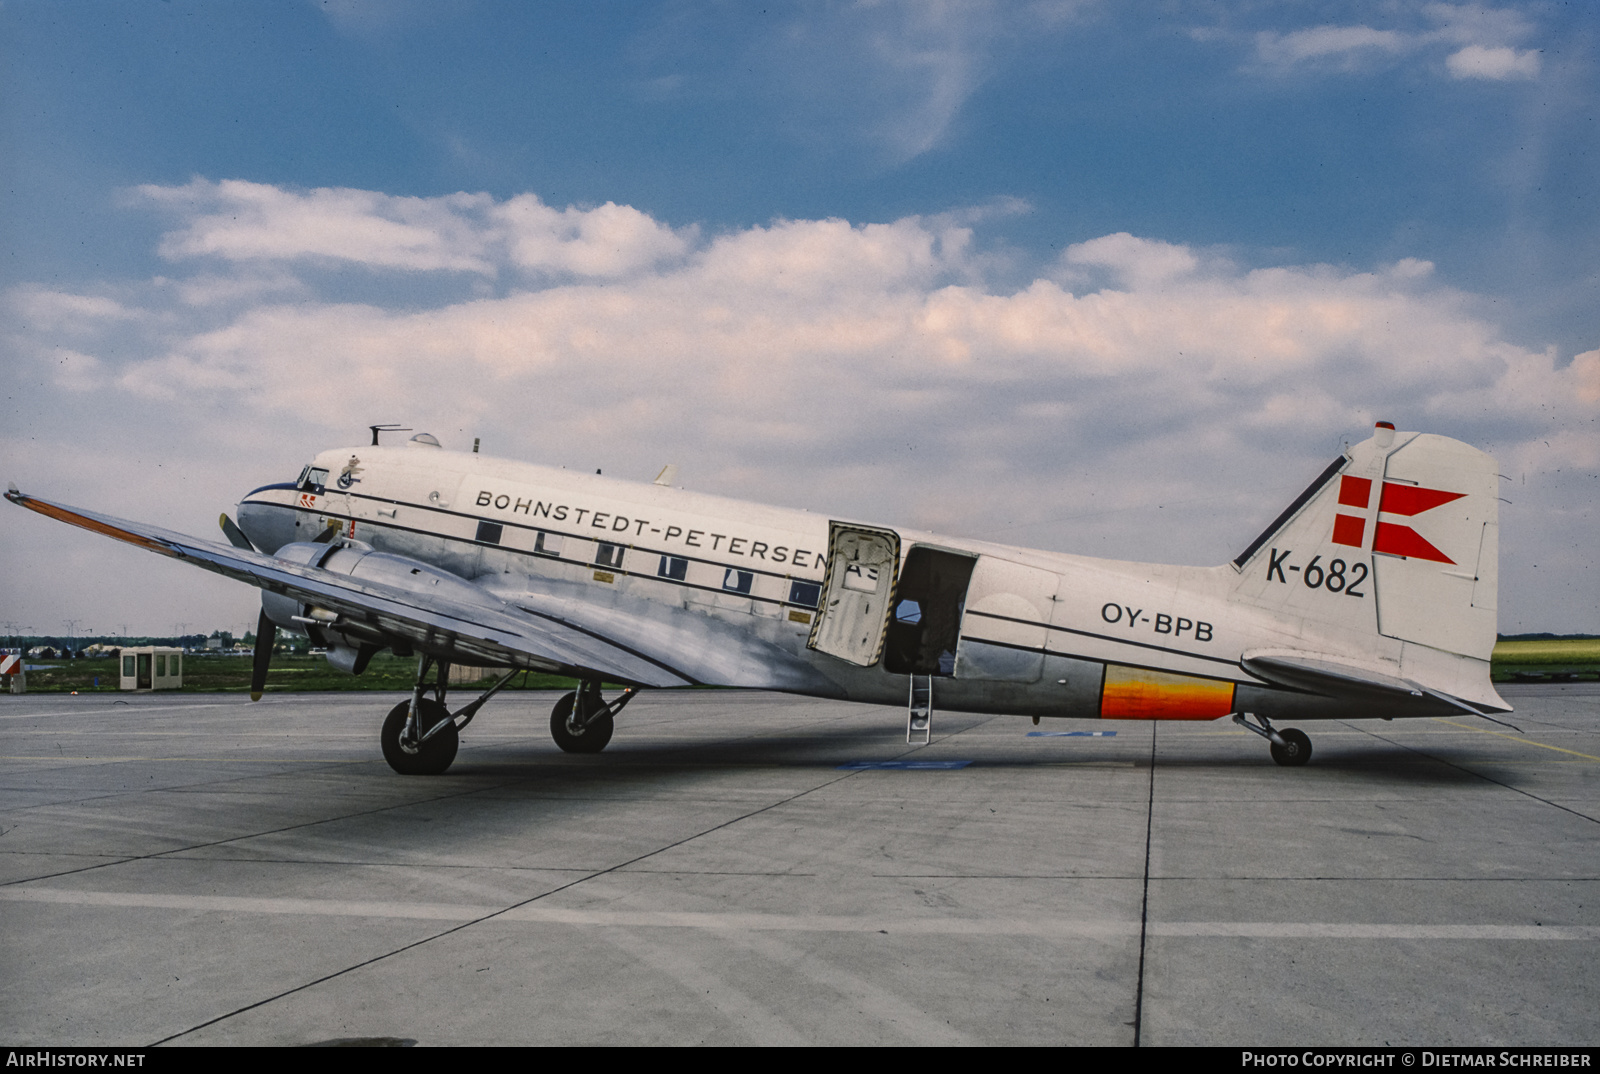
{"x": 458, "y": 621}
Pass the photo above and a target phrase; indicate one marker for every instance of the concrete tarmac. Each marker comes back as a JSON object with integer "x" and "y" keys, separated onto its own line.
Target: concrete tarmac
{"x": 199, "y": 870}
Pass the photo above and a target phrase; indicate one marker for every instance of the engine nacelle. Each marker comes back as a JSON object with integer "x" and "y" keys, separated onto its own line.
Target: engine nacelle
{"x": 351, "y": 644}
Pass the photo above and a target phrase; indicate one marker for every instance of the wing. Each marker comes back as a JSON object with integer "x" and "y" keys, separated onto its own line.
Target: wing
{"x": 489, "y": 630}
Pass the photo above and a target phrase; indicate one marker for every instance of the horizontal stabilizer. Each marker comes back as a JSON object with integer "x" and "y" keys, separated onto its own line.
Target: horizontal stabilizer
{"x": 1331, "y": 676}
{"x": 1322, "y": 674}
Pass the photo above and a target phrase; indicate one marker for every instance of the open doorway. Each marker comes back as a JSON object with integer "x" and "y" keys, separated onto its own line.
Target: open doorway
{"x": 926, "y": 623}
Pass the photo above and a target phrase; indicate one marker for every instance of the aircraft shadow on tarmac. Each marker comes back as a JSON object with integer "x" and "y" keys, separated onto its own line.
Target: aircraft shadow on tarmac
{"x": 829, "y": 748}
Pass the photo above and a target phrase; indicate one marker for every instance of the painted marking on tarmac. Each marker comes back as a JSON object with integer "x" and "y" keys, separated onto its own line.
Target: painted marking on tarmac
{"x": 1072, "y": 734}
{"x": 862, "y": 766}
{"x": 119, "y": 759}
{"x": 1515, "y": 738}
{"x": 1321, "y": 930}
{"x": 247, "y": 905}
{"x": 538, "y": 914}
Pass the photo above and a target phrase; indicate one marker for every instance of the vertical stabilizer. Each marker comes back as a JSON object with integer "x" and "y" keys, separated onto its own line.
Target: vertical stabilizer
{"x": 1396, "y": 538}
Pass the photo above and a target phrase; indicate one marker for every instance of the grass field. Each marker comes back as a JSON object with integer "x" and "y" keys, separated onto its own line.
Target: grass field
{"x": 1513, "y": 660}
{"x": 1542, "y": 658}
{"x": 231, "y": 674}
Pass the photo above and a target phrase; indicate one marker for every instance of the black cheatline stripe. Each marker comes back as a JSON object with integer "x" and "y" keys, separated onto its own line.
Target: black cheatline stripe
{"x": 1102, "y": 637}
{"x": 577, "y": 536}
{"x": 545, "y": 556}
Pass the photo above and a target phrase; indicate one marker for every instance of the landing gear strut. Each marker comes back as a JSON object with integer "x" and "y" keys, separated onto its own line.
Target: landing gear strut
{"x": 1290, "y": 747}
{"x": 582, "y": 721}
{"x": 420, "y": 737}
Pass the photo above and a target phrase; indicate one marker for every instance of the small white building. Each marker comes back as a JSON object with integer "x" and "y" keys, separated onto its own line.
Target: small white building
{"x": 151, "y": 667}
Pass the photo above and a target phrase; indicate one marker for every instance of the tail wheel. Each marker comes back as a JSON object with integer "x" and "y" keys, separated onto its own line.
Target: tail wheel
{"x": 429, "y": 757}
{"x": 574, "y": 736}
{"x": 1296, "y": 748}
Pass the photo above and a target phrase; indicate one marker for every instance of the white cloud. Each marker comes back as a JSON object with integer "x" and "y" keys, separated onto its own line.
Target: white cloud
{"x": 240, "y": 221}
{"x": 1346, "y": 45}
{"x": 246, "y": 222}
{"x": 1479, "y": 41}
{"x": 1139, "y": 263}
{"x": 215, "y": 290}
{"x": 1498, "y": 64}
{"x": 870, "y": 370}
{"x": 829, "y": 319}
{"x": 75, "y": 371}
{"x": 1586, "y": 371}
{"x": 612, "y": 240}
{"x": 39, "y": 308}
{"x": 1476, "y": 24}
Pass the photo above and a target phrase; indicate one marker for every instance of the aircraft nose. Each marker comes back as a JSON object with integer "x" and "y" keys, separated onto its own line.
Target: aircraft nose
{"x": 269, "y": 526}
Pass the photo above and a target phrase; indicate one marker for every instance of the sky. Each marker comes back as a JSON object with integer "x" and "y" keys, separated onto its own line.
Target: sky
{"x": 1104, "y": 278}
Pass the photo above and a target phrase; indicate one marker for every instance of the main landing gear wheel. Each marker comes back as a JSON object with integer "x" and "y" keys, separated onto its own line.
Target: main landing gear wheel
{"x": 573, "y": 734}
{"x": 1296, "y": 748}
{"x": 432, "y": 755}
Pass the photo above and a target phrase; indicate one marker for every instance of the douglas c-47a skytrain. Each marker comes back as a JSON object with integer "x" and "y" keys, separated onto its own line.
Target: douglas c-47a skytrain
{"x": 1372, "y": 595}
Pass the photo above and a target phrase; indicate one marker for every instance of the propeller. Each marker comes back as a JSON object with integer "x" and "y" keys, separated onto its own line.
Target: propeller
{"x": 266, "y": 629}
{"x": 266, "y": 637}
{"x": 234, "y": 534}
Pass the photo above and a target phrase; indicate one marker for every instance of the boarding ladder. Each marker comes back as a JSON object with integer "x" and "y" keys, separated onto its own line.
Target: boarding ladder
{"x": 919, "y": 709}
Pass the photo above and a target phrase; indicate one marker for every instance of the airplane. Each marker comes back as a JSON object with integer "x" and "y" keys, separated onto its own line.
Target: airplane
{"x": 1372, "y": 595}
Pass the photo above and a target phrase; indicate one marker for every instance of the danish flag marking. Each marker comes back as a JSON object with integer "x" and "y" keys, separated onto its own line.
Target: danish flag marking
{"x": 1391, "y": 538}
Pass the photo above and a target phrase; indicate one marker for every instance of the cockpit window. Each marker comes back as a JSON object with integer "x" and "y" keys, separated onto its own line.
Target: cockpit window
{"x": 313, "y": 477}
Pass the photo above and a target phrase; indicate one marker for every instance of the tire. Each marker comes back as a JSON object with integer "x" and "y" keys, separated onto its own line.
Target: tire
{"x": 592, "y": 739}
{"x": 1296, "y": 748}
{"x": 434, "y": 755}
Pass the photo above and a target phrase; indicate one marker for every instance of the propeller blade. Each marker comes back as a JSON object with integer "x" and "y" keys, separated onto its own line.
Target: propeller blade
{"x": 235, "y": 535}
{"x": 266, "y": 636}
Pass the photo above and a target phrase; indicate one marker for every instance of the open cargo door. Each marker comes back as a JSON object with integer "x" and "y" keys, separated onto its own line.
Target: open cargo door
{"x": 862, "y": 561}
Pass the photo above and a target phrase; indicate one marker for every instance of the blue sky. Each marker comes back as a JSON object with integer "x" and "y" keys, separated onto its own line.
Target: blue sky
{"x": 1107, "y": 278}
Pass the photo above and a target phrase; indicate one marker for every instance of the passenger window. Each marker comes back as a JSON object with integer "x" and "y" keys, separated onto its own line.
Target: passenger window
{"x": 608, "y": 555}
{"x": 173, "y": 667}
{"x": 127, "y": 666}
{"x": 489, "y": 532}
{"x": 805, "y": 594}
{"x": 736, "y": 581}
{"x": 161, "y": 666}
{"x": 547, "y": 544}
{"x": 674, "y": 567}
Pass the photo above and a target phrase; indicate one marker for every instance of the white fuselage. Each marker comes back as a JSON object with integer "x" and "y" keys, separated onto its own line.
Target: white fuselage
{"x": 1030, "y": 632}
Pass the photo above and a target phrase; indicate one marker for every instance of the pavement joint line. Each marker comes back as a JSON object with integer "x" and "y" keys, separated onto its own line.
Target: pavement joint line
{"x": 1144, "y": 899}
{"x": 498, "y": 913}
{"x": 1488, "y": 779}
{"x": 1524, "y": 740}
{"x": 231, "y": 839}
